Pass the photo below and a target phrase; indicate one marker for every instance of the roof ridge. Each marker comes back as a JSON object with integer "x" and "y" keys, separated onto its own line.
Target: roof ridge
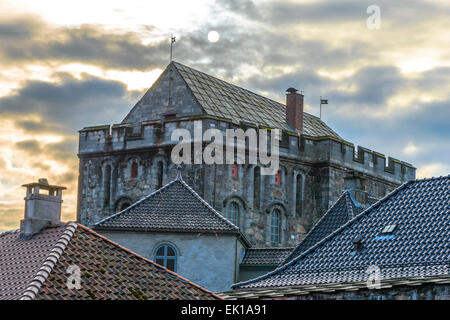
{"x": 203, "y": 201}
{"x": 49, "y": 263}
{"x": 331, "y": 235}
{"x": 181, "y": 278}
{"x": 134, "y": 204}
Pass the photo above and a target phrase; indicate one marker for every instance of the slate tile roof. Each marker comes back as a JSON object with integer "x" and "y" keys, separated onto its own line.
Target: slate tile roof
{"x": 222, "y": 99}
{"x": 37, "y": 269}
{"x": 343, "y": 210}
{"x": 174, "y": 207}
{"x": 417, "y": 247}
{"x": 265, "y": 256}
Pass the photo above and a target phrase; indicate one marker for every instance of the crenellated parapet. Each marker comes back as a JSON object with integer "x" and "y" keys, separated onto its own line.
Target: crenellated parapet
{"x": 317, "y": 150}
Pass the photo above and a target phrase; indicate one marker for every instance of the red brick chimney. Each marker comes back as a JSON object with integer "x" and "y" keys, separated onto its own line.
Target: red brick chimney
{"x": 294, "y": 109}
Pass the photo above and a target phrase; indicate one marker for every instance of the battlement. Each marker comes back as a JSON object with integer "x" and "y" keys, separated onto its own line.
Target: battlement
{"x": 337, "y": 152}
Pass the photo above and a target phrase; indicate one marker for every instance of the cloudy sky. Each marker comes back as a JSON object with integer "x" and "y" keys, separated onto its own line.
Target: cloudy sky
{"x": 65, "y": 65}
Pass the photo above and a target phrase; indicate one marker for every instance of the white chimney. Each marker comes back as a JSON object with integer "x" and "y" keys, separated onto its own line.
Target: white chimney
{"x": 41, "y": 210}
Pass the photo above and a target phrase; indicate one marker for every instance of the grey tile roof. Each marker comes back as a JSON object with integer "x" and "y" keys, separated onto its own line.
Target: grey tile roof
{"x": 417, "y": 247}
{"x": 343, "y": 210}
{"x": 265, "y": 256}
{"x": 222, "y": 99}
{"x": 36, "y": 269}
{"x": 174, "y": 207}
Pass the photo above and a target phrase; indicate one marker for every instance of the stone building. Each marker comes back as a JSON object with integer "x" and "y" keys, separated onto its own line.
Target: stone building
{"x": 121, "y": 163}
{"x": 395, "y": 249}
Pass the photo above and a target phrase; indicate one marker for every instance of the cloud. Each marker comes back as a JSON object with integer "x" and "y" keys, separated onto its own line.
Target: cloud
{"x": 69, "y": 104}
{"x": 29, "y": 39}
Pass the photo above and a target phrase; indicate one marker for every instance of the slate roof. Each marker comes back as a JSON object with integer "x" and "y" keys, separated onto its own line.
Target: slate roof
{"x": 343, "y": 210}
{"x": 417, "y": 247}
{"x": 174, "y": 207}
{"x": 37, "y": 269}
{"x": 222, "y": 99}
{"x": 265, "y": 256}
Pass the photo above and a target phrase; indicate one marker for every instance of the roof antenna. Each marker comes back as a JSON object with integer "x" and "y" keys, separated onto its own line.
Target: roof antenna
{"x": 172, "y": 41}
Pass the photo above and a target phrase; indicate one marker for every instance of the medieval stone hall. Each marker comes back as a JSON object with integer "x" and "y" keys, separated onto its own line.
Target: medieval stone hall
{"x": 122, "y": 163}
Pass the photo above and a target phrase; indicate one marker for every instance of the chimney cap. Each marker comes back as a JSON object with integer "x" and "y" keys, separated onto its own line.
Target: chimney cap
{"x": 291, "y": 90}
{"x": 43, "y": 184}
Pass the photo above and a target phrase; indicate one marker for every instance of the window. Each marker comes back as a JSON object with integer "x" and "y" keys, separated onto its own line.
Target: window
{"x": 107, "y": 186}
{"x": 275, "y": 226}
{"x": 278, "y": 178}
{"x": 234, "y": 213}
{"x": 299, "y": 195}
{"x": 234, "y": 170}
{"x": 257, "y": 187}
{"x": 134, "y": 170}
{"x": 166, "y": 255}
{"x": 159, "y": 175}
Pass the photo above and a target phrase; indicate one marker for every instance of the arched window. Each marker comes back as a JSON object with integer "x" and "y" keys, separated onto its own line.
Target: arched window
{"x": 234, "y": 213}
{"x": 278, "y": 178}
{"x": 299, "y": 195}
{"x": 234, "y": 170}
{"x": 134, "y": 170}
{"x": 107, "y": 186}
{"x": 166, "y": 255}
{"x": 256, "y": 187}
{"x": 159, "y": 175}
{"x": 275, "y": 226}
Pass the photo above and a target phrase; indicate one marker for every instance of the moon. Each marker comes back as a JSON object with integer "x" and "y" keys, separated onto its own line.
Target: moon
{"x": 213, "y": 36}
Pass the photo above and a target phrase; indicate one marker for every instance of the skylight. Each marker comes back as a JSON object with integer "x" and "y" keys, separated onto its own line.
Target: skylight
{"x": 388, "y": 229}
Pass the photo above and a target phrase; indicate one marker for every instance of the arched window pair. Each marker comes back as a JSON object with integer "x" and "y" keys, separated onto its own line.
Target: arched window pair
{"x": 166, "y": 256}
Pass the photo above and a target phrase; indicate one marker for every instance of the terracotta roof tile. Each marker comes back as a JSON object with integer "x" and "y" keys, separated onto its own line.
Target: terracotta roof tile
{"x": 37, "y": 269}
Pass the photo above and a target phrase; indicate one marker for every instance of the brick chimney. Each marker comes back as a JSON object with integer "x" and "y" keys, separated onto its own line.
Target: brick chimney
{"x": 41, "y": 209}
{"x": 294, "y": 109}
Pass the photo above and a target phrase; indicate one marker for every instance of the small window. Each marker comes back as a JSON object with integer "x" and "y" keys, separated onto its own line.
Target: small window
{"x": 278, "y": 178}
{"x": 234, "y": 170}
{"x": 166, "y": 256}
{"x": 134, "y": 170}
{"x": 159, "y": 175}
{"x": 275, "y": 227}
{"x": 234, "y": 213}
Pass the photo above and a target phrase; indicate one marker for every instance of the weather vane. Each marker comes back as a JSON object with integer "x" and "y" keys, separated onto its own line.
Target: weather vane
{"x": 172, "y": 41}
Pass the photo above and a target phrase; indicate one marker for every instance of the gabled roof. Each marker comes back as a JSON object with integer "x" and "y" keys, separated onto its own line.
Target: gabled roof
{"x": 37, "y": 269}
{"x": 221, "y": 99}
{"x": 265, "y": 256}
{"x": 416, "y": 247}
{"x": 174, "y": 207}
{"x": 343, "y": 210}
